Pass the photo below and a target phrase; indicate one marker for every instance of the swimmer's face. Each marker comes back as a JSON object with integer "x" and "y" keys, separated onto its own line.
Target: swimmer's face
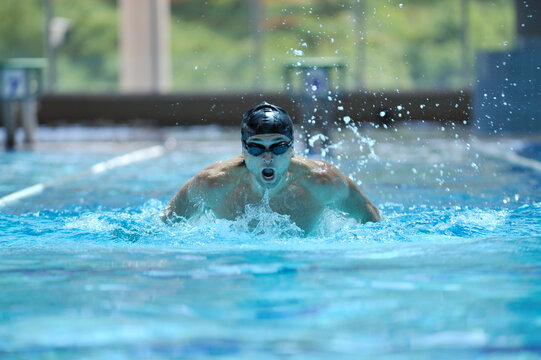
{"x": 267, "y": 158}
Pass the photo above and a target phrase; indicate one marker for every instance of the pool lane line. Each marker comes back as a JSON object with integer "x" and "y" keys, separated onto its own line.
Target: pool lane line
{"x": 119, "y": 161}
{"x": 507, "y": 155}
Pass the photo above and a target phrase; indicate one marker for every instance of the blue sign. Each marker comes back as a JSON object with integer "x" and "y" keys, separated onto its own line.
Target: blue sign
{"x": 13, "y": 84}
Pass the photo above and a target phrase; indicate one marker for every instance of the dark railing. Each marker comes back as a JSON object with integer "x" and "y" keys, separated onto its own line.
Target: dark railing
{"x": 227, "y": 109}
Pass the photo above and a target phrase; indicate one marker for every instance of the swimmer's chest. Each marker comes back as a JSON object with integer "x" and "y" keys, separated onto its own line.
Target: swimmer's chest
{"x": 294, "y": 201}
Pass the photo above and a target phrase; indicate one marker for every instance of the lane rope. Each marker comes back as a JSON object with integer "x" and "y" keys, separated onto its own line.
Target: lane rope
{"x": 119, "y": 161}
{"x": 510, "y": 156}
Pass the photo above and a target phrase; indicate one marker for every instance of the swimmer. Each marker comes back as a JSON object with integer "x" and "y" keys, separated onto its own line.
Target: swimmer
{"x": 299, "y": 187}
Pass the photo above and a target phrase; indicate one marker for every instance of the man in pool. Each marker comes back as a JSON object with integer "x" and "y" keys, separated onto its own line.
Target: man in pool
{"x": 296, "y": 186}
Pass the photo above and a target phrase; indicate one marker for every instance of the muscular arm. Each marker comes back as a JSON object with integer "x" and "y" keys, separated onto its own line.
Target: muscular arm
{"x": 183, "y": 204}
{"x": 357, "y": 204}
{"x": 338, "y": 191}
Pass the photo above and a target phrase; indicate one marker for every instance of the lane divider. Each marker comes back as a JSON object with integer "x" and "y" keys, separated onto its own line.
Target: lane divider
{"x": 119, "y": 161}
{"x": 510, "y": 156}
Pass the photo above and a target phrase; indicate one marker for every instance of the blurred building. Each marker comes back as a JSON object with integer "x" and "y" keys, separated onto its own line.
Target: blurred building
{"x": 145, "y": 46}
{"x": 507, "y": 96}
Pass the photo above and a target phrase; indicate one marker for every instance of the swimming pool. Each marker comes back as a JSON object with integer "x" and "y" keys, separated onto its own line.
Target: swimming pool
{"x": 87, "y": 269}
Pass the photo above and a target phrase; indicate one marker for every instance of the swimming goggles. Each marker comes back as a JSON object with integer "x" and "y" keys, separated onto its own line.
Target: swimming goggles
{"x": 279, "y": 148}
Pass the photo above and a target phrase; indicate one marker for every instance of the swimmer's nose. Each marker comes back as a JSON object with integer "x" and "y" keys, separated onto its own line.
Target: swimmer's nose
{"x": 267, "y": 158}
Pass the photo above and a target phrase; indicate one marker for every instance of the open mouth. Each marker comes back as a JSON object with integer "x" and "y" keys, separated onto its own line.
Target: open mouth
{"x": 268, "y": 174}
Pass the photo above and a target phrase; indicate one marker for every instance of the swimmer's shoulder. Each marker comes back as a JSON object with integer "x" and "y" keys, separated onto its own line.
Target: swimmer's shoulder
{"x": 221, "y": 173}
{"x": 321, "y": 179}
{"x": 316, "y": 171}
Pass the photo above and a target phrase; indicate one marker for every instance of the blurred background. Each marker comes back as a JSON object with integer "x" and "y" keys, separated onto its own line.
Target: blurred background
{"x": 242, "y": 45}
{"x": 189, "y": 62}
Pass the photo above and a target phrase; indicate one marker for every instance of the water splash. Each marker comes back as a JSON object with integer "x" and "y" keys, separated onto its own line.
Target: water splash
{"x": 260, "y": 220}
{"x": 260, "y": 227}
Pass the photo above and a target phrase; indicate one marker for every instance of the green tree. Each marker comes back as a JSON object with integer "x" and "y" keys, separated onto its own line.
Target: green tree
{"x": 21, "y": 28}
{"x": 88, "y": 60}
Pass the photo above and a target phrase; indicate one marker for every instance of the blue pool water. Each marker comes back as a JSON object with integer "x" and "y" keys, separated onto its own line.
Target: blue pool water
{"x": 87, "y": 270}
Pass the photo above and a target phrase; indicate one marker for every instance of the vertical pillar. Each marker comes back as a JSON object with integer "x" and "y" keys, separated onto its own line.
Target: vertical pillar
{"x": 527, "y": 23}
{"x": 50, "y": 81}
{"x": 256, "y": 18}
{"x": 29, "y": 119}
{"x": 144, "y": 45}
{"x": 360, "y": 48}
{"x": 8, "y": 115}
{"x": 464, "y": 41}
{"x": 507, "y": 95}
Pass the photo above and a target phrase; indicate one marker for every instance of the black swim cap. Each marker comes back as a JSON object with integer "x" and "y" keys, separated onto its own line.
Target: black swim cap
{"x": 266, "y": 119}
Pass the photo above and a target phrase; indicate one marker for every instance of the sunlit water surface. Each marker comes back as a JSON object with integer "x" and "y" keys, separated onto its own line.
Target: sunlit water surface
{"x": 88, "y": 270}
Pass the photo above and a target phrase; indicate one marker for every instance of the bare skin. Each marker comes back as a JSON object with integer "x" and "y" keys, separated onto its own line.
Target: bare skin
{"x": 299, "y": 187}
